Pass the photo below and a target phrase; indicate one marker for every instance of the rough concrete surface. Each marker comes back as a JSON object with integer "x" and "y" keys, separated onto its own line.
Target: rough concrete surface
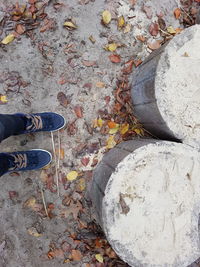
{"x": 42, "y": 63}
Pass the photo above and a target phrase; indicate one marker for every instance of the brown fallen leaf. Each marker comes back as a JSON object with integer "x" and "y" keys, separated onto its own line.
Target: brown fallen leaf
{"x": 13, "y": 194}
{"x": 89, "y": 63}
{"x": 48, "y": 24}
{"x": 63, "y": 99}
{"x": 20, "y": 29}
{"x": 154, "y": 29}
{"x": 76, "y": 255}
{"x": 61, "y": 152}
{"x": 56, "y": 253}
{"x": 100, "y": 84}
{"x": 137, "y": 62}
{"x": 148, "y": 11}
{"x": 73, "y": 209}
{"x": 141, "y": 38}
{"x": 71, "y": 128}
{"x": 177, "y": 13}
{"x": 129, "y": 68}
{"x": 114, "y": 58}
{"x": 33, "y": 231}
{"x": 161, "y": 23}
{"x": 154, "y": 45}
{"x": 78, "y": 111}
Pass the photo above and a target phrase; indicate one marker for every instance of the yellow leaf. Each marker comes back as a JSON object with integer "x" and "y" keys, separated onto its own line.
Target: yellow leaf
{"x": 106, "y": 17}
{"x": 111, "y": 47}
{"x": 171, "y": 30}
{"x": 124, "y": 128}
{"x": 70, "y": 25}
{"x": 121, "y": 22}
{"x": 111, "y": 142}
{"x": 114, "y": 130}
{"x": 8, "y": 39}
{"x": 100, "y": 122}
{"x": 3, "y": 99}
{"x": 100, "y": 84}
{"x": 99, "y": 258}
{"x": 71, "y": 176}
{"x": 32, "y": 231}
{"x": 139, "y": 132}
{"x": 81, "y": 185}
{"x": 127, "y": 28}
{"x": 91, "y": 38}
{"x": 30, "y": 202}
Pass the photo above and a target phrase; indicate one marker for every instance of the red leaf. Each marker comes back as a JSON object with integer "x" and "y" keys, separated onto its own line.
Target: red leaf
{"x": 85, "y": 161}
{"x": 138, "y": 62}
{"x": 76, "y": 255}
{"x": 78, "y": 111}
{"x": 13, "y": 194}
{"x": 114, "y": 58}
{"x": 87, "y": 85}
{"x": 107, "y": 99}
{"x": 129, "y": 68}
{"x": 154, "y": 29}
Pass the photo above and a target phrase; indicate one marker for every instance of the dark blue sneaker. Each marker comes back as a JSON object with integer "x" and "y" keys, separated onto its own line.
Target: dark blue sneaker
{"x": 27, "y": 160}
{"x": 38, "y": 122}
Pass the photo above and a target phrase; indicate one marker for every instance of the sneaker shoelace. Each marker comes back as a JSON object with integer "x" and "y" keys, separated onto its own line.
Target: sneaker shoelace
{"x": 34, "y": 122}
{"x": 19, "y": 162}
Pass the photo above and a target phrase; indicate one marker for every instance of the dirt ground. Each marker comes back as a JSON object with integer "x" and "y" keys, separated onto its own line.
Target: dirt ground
{"x": 53, "y": 68}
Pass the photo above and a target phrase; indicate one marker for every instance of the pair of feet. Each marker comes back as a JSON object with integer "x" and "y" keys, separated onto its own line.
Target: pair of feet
{"x": 36, "y": 158}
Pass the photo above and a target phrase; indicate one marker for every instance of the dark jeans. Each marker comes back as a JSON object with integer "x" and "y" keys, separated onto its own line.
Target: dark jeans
{"x": 9, "y": 125}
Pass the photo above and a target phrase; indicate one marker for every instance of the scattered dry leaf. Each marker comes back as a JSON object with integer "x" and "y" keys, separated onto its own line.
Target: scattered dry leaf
{"x": 32, "y": 231}
{"x": 114, "y": 130}
{"x": 63, "y": 99}
{"x": 177, "y": 13}
{"x": 85, "y": 161}
{"x": 111, "y": 142}
{"x": 124, "y": 128}
{"x": 70, "y": 25}
{"x": 76, "y": 255}
{"x": 121, "y": 22}
{"x": 154, "y": 45}
{"x": 171, "y": 30}
{"x": 154, "y": 29}
{"x": 78, "y": 111}
{"x": 81, "y": 185}
{"x": 111, "y": 47}
{"x": 114, "y": 58}
{"x": 91, "y": 38}
{"x": 71, "y": 176}
{"x": 89, "y": 63}
{"x": 3, "y": 99}
{"x": 56, "y": 253}
{"x": 99, "y": 258}
{"x": 8, "y": 39}
{"x": 100, "y": 84}
{"x": 20, "y": 29}
{"x": 106, "y": 17}
{"x": 141, "y": 38}
{"x": 61, "y": 152}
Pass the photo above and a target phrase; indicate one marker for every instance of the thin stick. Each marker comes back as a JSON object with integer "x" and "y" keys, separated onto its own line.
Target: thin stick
{"x": 44, "y": 203}
{"x": 58, "y": 150}
{"x": 54, "y": 152}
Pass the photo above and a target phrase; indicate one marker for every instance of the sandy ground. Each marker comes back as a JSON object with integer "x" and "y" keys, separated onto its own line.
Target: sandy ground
{"x": 52, "y": 62}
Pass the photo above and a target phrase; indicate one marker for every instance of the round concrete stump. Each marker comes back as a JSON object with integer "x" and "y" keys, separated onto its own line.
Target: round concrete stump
{"x": 146, "y": 195}
{"x": 166, "y": 89}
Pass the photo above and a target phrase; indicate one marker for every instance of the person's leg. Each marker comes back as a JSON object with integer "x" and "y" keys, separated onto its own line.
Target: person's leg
{"x": 11, "y": 125}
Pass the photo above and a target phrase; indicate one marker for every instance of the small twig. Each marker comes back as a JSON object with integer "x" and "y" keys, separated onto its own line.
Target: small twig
{"x": 58, "y": 150}
{"x": 54, "y": 152}
{"x": 44, "y": 203}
